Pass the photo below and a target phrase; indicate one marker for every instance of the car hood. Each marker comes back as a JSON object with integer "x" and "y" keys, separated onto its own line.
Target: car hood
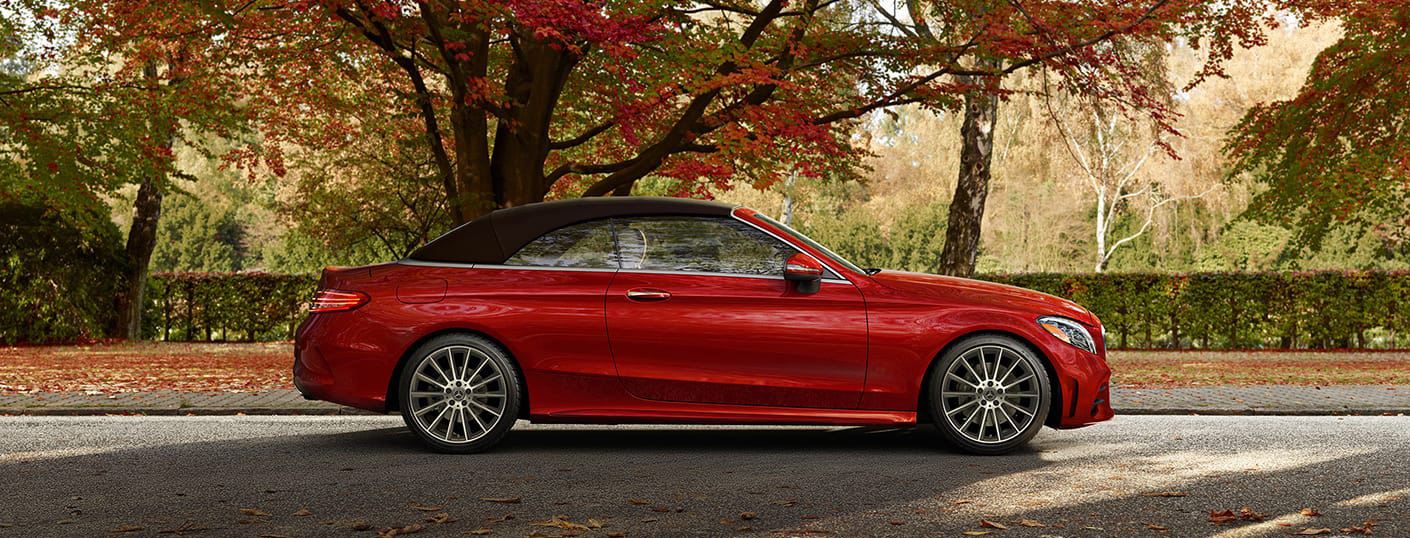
{"x": 952, "y": 288}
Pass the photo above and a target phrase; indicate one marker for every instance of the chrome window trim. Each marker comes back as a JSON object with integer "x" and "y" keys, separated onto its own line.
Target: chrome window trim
{"x": 728, "y": 275}
{"x": 424, "y": 263}
{"x": 832, "y": 275}
{"x": 428, "y": 263}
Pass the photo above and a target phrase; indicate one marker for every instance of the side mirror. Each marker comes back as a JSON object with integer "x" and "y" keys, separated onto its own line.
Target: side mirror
{"x": 804, "y": 272}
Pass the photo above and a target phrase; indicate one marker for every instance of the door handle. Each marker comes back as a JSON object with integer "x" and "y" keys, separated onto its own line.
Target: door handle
{"x": 648, "y": 294}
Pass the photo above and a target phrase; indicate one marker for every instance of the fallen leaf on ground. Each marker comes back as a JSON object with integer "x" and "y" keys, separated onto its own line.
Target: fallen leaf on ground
{"x": 1222, "y": 517}
{"x": 360, "y": 525}
{"x": 747, "y": 515}
{"x": 638, "y": 501}
{"x": 594, "y": 524}
{"x": 479, "y": 532}
{"x": 1310, "y": 532}
{"x": 660, "y": 509}
{"x": 560, "y": 522}
{"x": 1166, "y": 494}
{"x": 186, "y": 527}
{"x": 616, "y": 534}
{"x": 1246, "y": 514}
{"x": 1157, "y": 527}
{"x": 423, "y": 508}
{"x": 992, "y": 525}
{"x": 961, "y": 501}
{"x": 506, "y": 500}
{"x": 1311, "y": 512}
{"x": 303, "y": 512}
{"x": 977, "y": 533}
{"x": 253, "y": 512}
{"x": 398, "y": 531}
{"x": 803, "y": 531}
{"x": 1365, "y": 528}
{"x": 128, "y": 528}
{"x": 1028, "y": 523}
{"x": 440, "y": 518}
{"x": 506, "y": 517}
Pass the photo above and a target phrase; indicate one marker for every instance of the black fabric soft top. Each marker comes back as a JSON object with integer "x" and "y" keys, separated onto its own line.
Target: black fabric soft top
{"x": 495, "y": 237}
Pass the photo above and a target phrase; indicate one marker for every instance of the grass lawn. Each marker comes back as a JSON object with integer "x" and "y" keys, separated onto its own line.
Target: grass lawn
{"x": 1188, "y": 368}
{"x": 199, "y": 367}
{"x": 148, "y": 366}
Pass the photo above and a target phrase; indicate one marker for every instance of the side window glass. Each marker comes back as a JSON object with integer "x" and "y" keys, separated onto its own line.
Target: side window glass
{"x": 583, "y": 245}
{"x": 699, "y": 244}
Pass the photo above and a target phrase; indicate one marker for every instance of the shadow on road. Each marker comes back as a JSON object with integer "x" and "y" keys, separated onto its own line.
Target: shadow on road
{"x": 675, "y": 482}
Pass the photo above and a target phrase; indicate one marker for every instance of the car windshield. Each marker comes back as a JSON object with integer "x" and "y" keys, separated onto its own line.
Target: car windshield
{"x": 795, "y": 234}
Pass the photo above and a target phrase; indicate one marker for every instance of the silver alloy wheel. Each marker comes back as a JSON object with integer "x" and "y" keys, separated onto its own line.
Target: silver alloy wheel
{"x": 457, "y": 394}
{"x": 990, "y": 394}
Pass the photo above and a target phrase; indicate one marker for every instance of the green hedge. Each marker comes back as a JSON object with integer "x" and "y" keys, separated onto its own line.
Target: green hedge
{"x": 1298, "y": 310}
{"x": 1288, "y": 310}
{"x": 226, "y": 306}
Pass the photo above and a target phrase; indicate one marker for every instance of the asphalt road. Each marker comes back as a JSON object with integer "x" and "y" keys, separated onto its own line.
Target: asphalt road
{"x": 329, "y": 476}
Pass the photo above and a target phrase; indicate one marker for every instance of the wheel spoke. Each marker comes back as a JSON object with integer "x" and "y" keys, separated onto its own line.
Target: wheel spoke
{"x": 423, "y": 410}
{"x": 485, "y": 407}
{"x": 962, "y": 407}
{"x": 1015, "y": 407}
{"x": 977, "y": 377}
{"x": 1000, "y": 411}
{"x": 485, "y": 381}
{"x": 432, "y": 361}
{"x": 948, "y": 394}
{"x": 477, "y": 368}
{"x": 476, "y": 417}
{"x": 423, "y": 377}
{"x": 1019, "y": 382}
{"x": 951, "y": 375}
{"x": 425, "y": 394}
{"x": 970, "y": 419}
{"x": 437, "y": 420}
{"x": 450, "y": 363}
{"x": 1009, "y": 372}
{"x": 1021, "y": 395}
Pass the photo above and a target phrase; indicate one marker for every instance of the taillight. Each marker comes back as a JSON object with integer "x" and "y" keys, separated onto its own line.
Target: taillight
{"x": 337, "y": 300}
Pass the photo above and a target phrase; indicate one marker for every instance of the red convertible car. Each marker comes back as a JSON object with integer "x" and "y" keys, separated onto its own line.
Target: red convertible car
{"x": 660, "y": 310}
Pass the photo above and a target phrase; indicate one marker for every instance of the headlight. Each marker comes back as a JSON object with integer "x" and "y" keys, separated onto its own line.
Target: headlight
{"x": 1069, "y": 331}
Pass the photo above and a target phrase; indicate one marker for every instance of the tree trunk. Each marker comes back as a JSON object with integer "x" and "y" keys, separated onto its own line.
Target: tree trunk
{"x": 534, "y": 83}
{"x": 967, "y": 207}
{"x": 141, "y": 240}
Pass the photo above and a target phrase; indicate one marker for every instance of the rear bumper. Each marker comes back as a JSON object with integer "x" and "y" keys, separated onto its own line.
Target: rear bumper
{"x": 334, "y": 378}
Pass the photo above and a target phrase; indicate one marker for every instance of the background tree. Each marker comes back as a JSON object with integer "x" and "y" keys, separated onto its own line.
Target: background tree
{"x": 1090, "y": 68}
{"x": 1339, "y": 151}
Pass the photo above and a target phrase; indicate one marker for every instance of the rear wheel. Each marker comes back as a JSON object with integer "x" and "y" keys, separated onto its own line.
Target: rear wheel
{"x": 989, "y": 394}
{"x": 460, "y": 393}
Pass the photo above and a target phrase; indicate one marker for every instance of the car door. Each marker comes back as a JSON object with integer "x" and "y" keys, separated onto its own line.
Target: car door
{"x": 700, "y": 312}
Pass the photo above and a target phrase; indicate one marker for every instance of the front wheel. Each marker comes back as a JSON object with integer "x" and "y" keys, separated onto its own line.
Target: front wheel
{"x": 460, "y": 393}
{"x": 989, "y": 394}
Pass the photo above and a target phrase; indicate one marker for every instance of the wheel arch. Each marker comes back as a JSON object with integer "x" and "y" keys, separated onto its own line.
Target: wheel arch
{"x": 1054, "y": 410}
{"x": 393, "y": 394}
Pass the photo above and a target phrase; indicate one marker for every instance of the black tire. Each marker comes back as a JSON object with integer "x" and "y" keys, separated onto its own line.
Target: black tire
{"x": 953, "y": 412}
{"x": 467, "y": 399}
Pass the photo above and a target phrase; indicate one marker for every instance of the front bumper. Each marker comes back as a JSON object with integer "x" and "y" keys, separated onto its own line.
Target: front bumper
{"x": 1084, "y": 380}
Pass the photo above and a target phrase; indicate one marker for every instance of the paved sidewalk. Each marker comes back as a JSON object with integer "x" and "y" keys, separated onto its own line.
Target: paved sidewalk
{"x": 1211, "y": 400}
